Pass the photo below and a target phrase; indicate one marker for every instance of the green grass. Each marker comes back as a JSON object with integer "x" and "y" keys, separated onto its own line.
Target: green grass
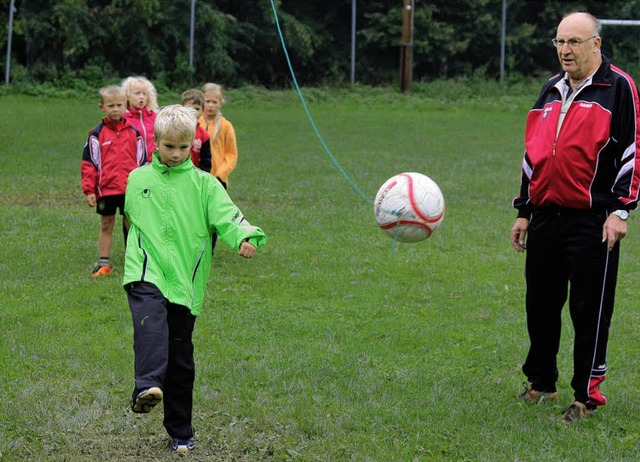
{"x": 328, "y": 345}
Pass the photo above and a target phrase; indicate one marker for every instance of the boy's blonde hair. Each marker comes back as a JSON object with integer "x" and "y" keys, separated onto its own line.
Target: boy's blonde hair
{"x": 175, "y": 120}
{"x": 111, "y": 90}
{"x": 193, "y": 95}
{"x": 152, "y": 102}
{"x": 211, "y": 87}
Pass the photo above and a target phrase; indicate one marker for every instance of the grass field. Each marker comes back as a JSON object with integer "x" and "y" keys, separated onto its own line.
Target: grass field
{"x": 328, "y": 345}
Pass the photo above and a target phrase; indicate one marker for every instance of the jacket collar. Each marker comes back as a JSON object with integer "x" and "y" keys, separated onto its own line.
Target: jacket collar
{"x": 115, "y": 124}
{"x": 162, "y": 168}
{"x": 144, "y": 111}
{"x": 603, "y": 74}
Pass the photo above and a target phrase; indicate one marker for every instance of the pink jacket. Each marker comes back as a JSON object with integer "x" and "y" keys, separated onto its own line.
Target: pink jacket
{"x": 143, "y": 119}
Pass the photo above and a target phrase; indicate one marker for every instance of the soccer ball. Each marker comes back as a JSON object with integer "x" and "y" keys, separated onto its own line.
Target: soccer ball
{"x": 409, "y": 207}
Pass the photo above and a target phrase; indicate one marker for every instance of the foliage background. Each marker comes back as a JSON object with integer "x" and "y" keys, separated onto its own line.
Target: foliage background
{"x": 236, "y": 42}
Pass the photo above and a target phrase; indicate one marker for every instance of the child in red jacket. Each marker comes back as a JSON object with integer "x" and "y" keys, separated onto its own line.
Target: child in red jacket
{"x": 200, "y": 149}
{"x": 142, "y": 104}
{"x": 114, "y": 148}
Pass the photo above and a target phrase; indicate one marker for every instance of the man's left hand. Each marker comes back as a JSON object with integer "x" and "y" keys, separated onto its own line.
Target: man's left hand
{"x": 614, "y": 229}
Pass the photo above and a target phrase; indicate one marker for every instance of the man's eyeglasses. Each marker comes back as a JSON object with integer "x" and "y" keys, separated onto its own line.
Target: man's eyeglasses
{"x": 573, "y": 43}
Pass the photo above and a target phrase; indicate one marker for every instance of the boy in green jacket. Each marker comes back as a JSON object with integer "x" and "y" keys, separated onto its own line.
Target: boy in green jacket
{"x": 174, "y": 209}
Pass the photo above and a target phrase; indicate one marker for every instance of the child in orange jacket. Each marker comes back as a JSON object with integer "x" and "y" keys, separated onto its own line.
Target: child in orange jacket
{"x": 224, "y": 150}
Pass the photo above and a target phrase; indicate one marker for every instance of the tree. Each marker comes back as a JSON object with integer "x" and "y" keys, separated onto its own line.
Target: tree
{"x": 237, "y": 42}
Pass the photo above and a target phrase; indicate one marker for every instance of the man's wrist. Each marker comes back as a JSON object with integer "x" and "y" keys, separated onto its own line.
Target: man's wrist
{"x": 621, "y": 213}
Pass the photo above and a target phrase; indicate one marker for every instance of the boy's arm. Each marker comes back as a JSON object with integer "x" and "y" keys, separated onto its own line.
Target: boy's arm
{"x": 205, "y": 156}
{"x": 141, "y": 152}
{"x": 89, "y": 175}
{"x": 228, "y": 221}
{"x": 88, "y": 165}
{"x": 230, "y": 158}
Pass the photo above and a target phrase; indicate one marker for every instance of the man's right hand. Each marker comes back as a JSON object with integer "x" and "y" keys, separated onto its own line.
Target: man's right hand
{"x": 519, "y": 234}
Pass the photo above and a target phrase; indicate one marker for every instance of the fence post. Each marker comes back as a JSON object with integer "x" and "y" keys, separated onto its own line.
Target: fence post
{"x": 406, "y": 47}
{"x": 353, "y": 42}
{"x": 8, "y": 73}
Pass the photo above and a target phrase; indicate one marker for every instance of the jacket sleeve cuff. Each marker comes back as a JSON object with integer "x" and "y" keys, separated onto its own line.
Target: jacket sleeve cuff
{"x": 525, "y": 212}
{"x": 257, "y": 240}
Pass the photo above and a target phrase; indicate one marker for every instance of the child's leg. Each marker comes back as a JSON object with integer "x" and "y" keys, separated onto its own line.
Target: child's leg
{"x": 178, "y": 386}
{"x": 150, "y": 335}
{"x": 104, "y": 237}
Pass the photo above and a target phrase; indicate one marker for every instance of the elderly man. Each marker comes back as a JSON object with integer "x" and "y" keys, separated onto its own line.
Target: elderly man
{"x": 580, "y": 178}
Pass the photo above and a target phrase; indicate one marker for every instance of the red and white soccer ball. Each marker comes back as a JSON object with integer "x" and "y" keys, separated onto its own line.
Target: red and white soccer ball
{"x": 409, "y": 207}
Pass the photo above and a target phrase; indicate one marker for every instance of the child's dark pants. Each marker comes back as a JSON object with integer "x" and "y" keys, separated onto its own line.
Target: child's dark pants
{"x": 162, "y": 343}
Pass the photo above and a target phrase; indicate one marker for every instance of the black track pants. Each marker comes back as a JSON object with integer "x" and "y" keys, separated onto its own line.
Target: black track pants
{"x": 162, "y": 343}
{"x": 566, "y": 257}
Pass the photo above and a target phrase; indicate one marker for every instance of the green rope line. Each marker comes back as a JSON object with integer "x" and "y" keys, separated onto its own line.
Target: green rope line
{"x": 353, "y": 184}
{"x": 306, "y": 110}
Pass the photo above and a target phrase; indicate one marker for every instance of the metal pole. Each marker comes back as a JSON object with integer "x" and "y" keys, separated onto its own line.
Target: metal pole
{"x": 8, "y": 66}
{"x": 503, "y": 40}
{"x": 193, "y": 16}
{"x": 353, "y": 42}
{"x": 406, "y": 47}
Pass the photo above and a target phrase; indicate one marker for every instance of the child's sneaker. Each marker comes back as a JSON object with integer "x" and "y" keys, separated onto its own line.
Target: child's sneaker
{"x": 100, "y": 271}
{"x": 146, "y": 400}
{"x": 182, "y": 446}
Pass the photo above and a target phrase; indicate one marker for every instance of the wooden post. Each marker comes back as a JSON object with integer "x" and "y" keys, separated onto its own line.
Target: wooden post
{"x": 7, "y": 69}
{"x": 406, "y": 47}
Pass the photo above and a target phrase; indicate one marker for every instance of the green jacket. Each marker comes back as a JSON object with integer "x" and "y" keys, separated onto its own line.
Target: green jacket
{"x": 173, "y": 211}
